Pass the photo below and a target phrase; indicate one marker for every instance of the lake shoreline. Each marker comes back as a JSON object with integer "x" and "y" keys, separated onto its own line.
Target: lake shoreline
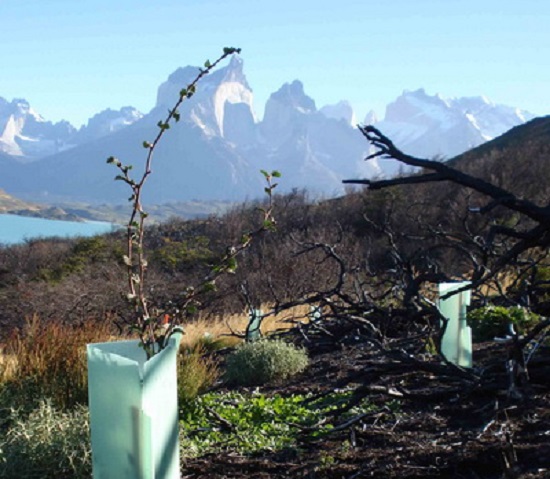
{"x": 16, "y": 229}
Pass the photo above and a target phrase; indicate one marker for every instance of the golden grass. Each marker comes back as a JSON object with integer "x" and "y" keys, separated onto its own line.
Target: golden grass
{"x": 42, "y": 341}
{"x": 197, "y": 372}
{"x": 223, "y": 327}
{"x": 8, "y": 366}
{"x": 48, "y": 359}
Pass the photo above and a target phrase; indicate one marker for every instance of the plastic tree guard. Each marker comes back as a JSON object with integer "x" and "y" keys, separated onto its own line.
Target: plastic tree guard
{"x": 253, "y": 332}
{"x": 133, "y": 411}
{"x": 456, "y": 344}
{"x": 315, "y": 314}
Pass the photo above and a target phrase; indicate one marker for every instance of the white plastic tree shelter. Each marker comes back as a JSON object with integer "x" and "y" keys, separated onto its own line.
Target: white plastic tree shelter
{"x": 315, "y": 314}
{"x": 133, "y": 411}
{"x": 253, "y": 332}
{"x": 456, "y": 344}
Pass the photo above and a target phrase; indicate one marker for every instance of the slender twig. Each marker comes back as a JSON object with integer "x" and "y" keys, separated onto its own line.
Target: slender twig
{"x": 152, "y": 334}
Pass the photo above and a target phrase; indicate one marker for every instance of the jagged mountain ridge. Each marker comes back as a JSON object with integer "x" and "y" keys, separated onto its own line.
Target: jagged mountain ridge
{"x": 432, "y": 126}
{"x": 216, "y": 150}
{"x": 26, "y": 136}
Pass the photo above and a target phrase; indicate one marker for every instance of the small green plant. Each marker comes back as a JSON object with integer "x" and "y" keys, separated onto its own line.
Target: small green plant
{"x": 326, "y": 461}
{"x": 249, "y": 423}
{"x": 259, "y": 362}
{"x": 492, "y": 321}
{"x": 430, "y": 346}
{"x": 46, "y": 444}
{"x": 243, "y": 423}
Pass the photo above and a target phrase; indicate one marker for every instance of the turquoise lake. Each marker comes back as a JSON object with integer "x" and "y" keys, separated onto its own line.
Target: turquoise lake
{"x": 16, "y": 229}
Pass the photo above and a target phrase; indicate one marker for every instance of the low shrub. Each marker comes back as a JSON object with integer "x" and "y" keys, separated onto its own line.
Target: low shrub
{"x": 197, "y": 372}
{"x": 493, "y": 321}
{"x": 259, "y": 362}
{"x": 181, "y": 255}
{"x": 46, "y": 444}
{"x": 84, "y": 251}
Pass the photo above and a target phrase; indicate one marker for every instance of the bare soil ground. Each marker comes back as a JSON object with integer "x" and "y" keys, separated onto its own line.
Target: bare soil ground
{"x": 444, "y": 427}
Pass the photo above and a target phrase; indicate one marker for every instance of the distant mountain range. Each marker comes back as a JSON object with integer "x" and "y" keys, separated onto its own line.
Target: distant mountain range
{"x": 217, "y": 149}
{"x": 429, "y": 126}
{"x": 26, "y": 136}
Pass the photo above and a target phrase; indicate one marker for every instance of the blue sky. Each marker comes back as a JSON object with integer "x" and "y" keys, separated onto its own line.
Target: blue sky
{"x": 71, "y": 59}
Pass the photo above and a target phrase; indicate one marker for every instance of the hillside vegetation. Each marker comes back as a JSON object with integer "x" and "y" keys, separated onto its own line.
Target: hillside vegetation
{"x": 73, "y": 280}
{"x": 374, "y": 398}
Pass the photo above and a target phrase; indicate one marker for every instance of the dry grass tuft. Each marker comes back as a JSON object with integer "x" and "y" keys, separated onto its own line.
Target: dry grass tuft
{"x": 221, "y": 328}
{"x": 197, "y": 372}
{"x": 50, "y": 361}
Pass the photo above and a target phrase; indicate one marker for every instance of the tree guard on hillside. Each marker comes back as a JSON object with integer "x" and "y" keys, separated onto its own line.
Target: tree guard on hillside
{"x": 523, "y": 239}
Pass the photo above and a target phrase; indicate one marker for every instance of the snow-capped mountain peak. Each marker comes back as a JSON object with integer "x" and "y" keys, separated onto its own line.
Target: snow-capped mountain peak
{"x": 106, "y": 122}
{"x": 26, "y": 135}
{"x": 430, "y": 125}
{"x": 340, "y": 111}
{"x": 218, "y": 147}
{"x": 219, "y": 91}
{"x": 371, "y": 118}
{"x": 291, "y": 95}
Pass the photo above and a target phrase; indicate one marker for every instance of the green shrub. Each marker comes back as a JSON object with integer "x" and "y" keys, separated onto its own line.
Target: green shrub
{"x": 254, "y": 423}
{"x": 83, "y": 252}
{"x": 492, "y": 321}
{"x": 182, "y": 255}
{"x": 46, "y": 444}
{"x": 262, "y": 361}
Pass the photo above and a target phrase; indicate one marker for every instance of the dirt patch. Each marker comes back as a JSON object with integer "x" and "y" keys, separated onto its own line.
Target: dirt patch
{"x": 439, "y": 425}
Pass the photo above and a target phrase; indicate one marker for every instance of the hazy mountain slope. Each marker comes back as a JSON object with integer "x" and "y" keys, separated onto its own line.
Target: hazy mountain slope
{"x": 106, "y": 122}
{"x": 10, "y": 203}
{"x": 312, "y": 149}
{"x": 186, "y": 165}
